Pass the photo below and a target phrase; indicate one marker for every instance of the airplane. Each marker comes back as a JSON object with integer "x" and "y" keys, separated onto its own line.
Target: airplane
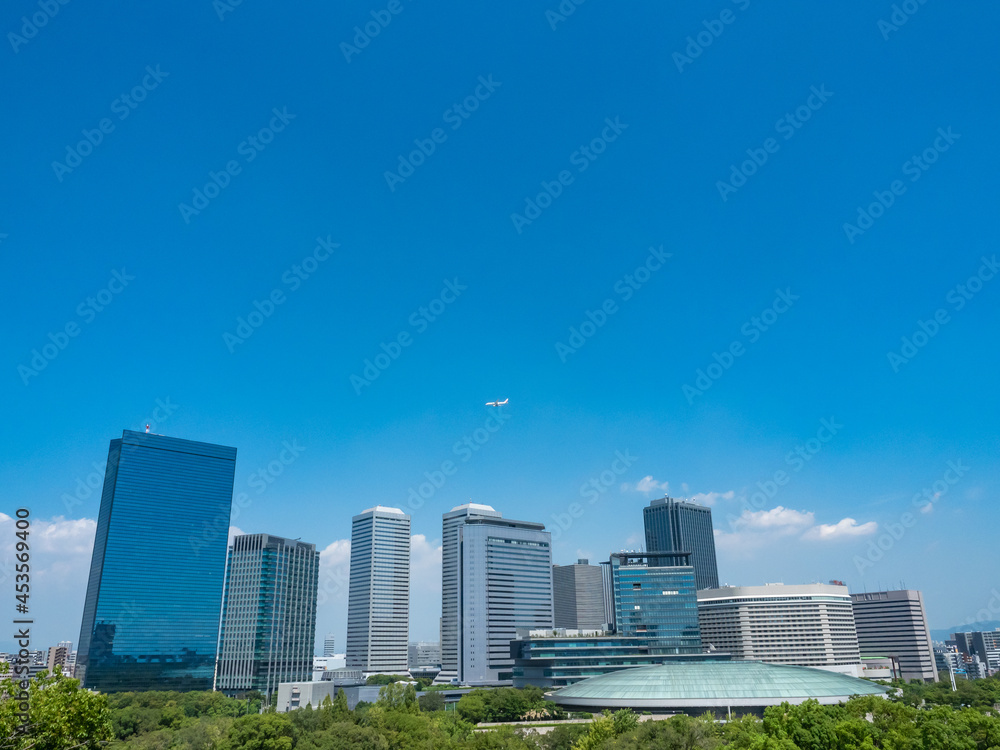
{"x": 498, "y": 403}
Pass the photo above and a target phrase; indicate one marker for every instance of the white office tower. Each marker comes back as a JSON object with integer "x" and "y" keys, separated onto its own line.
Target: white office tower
{"x": 378, "y": 603}
{"x": 496, "y": 577}
{"x": 329, "y": 646}
{"x": 809, "y": 625}
{"x": 894, "y": 623}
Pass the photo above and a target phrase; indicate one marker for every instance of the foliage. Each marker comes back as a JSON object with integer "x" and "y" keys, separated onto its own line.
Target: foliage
{"x": 386, "y": 679}
{"x": 59, "y": 714}
{"x": 506, "y": 704}
{"x": 431, "y": 702}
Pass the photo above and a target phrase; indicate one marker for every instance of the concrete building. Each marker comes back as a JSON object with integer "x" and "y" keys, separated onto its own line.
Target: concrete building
{"x": 378, "y": 603}
{"x": 808, "y": 625}
{"x": 424, "y": 654}
{"x": 324, "y": 664}
{"x": 682, "y": 526}
{"x": 984, "y": 644}
{"x": 655, "y": 598}
{"x": 329, "y": 645}
{"x": 893, "y": 623}
{"x": 61, "y": 656}
{"x": 578, "y": 596}
{"x": 496, "y": 577}
{"x": 268, "y": 614}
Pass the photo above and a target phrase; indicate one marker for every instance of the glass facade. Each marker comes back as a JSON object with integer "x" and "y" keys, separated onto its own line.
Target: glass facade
{"x": 679, "y": 526}
{"x": 151, "y": 612}
{"x": 268, "y": 614}
{"x": 659, "y": 602}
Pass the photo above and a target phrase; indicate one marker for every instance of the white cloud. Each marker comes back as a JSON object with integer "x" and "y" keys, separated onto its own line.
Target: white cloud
{"x": 234, "y": 531}
{"x": 844, "y": 528}
{"x": 425, "y": 566}
{"x": 646, "y": 484}
{"x": 711, "y": 498}
{"x": 779, "y": 518}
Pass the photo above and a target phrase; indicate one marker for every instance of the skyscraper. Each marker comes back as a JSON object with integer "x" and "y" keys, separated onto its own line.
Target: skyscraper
{"x": 268, "y": 614}
{"x": 682, "y": 526}
{"x": 578, "y": 596}
{"x": 655, "y": 598}
{"x": 378, "y": 602}
{"x": 496, "y": 577}
{"x": 329, "y": 645}
{"x": 151, "y": 613}
{"x": 893, "y": 623}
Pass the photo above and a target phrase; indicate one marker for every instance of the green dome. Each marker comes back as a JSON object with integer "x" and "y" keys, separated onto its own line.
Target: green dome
{"x": 708, "y": 684}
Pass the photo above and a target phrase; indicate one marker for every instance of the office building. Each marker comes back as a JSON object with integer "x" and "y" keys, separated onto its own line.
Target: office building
{"x": 608, "y": 591}
{"x": 655, "y": 598}
{"x": 329, "y": 645}
{"x": 61, "y": 656}
{"x": 378, "y": 602}
{"x": 268, "y": 614}
{"x": 496, "y": 577}
{"x": 894, "y": 623}
{"x": 681, "y": 526}
{"x": 983, "y": 644}
{"x": 809, "y": 625}
{"x": 578, "y": 596}
{"x": 151, "y": 612}
{"x": 424, "y": 654}
{"x": 561, "y": 657}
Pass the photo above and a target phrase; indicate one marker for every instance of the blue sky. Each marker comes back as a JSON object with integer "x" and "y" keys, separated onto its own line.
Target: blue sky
{"x": 672, "y": 184}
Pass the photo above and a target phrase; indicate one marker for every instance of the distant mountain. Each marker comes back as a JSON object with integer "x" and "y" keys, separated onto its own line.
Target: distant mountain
{"x": 944, "y": 635}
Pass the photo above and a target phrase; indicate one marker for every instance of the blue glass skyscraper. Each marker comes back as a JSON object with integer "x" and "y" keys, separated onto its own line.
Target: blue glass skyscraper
{"x": 151, "y": 614}
{"x": 655, "y": 598}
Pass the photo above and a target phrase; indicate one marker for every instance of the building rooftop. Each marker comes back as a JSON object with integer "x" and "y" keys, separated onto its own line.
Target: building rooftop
{"x": 474, "y": 506}
{"x": 714, "y": 684}
{"x": 382, "y": 509}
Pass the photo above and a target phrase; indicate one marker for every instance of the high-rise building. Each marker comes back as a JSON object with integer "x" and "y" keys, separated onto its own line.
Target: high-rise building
{"x": 151, "y": 613}
{"x": 268, "y": 614}
{"x": 329, "y": 645}
{"x": 496, "y": 577}
{"x": 424, "y": 654}
{"x": 984, "y": 644}
{"x": 608, "y": 586}
{"x": 578, "y": 596}
{"x": 682, "y": 526}
{"x": 61, "y": 656}
{"x": 378, "y": 602}
{"x": 655, "y": 598}
{"x": 894, "y": 623}
{"x": 808, "y": 625}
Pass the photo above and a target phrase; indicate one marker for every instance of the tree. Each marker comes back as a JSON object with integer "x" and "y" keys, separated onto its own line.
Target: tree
{"x": 269, "y": 731}
{"x": 431, "y": 702}
{"x": 398, "y": 697}
{"x": 59, "y": 714}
